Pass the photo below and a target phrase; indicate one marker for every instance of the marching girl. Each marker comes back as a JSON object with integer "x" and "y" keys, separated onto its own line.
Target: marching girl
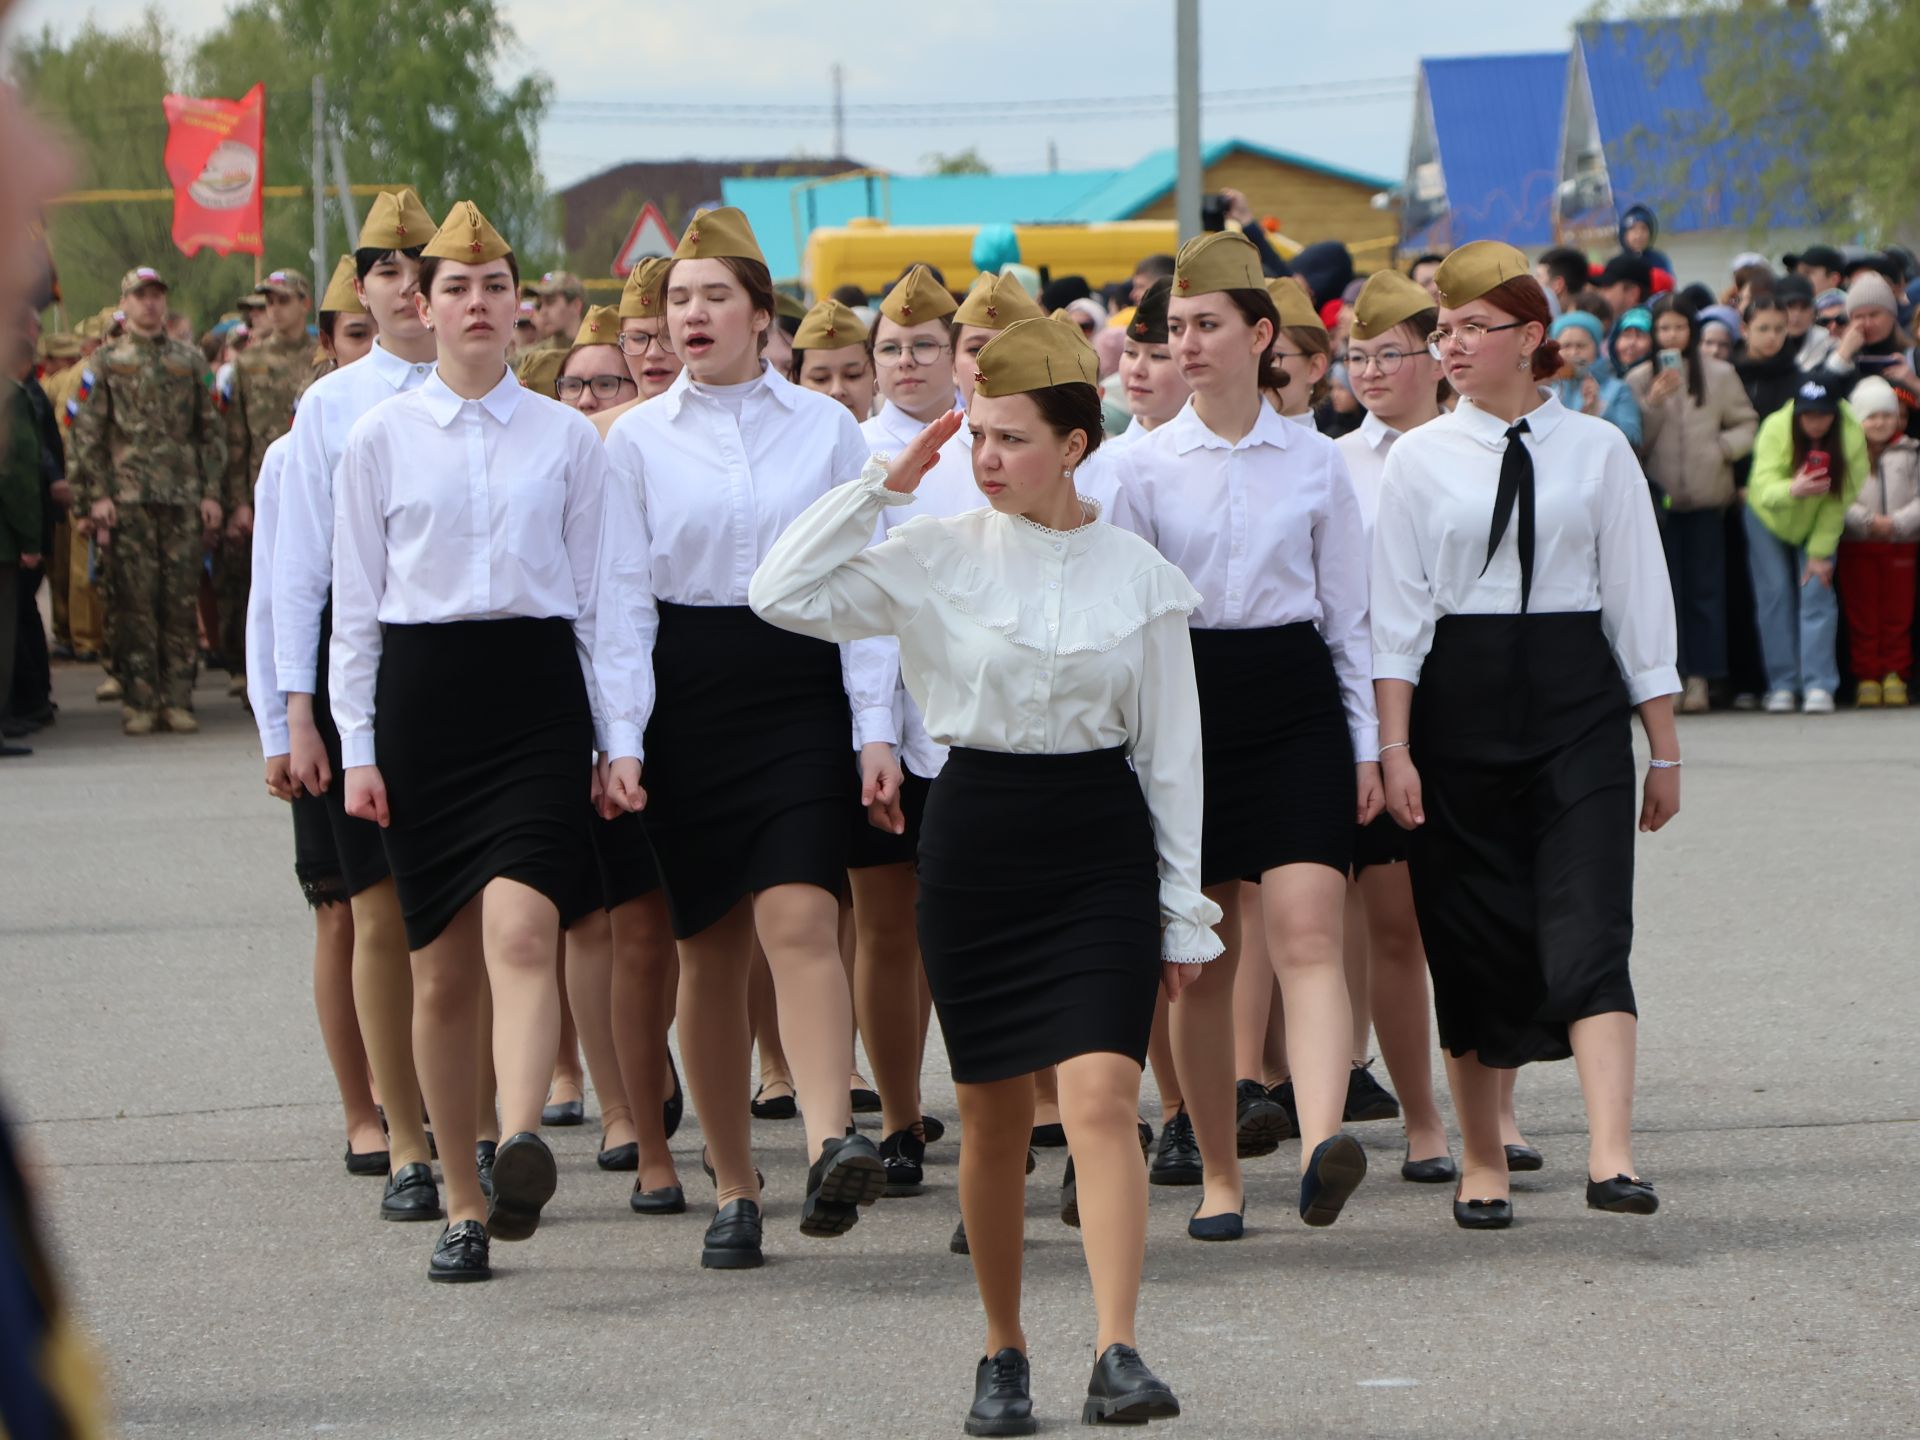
{"x": 1516, "y": 555}
{"x": 643, "y": 341}
{"x": 744, "y": 729}
{"x": 1059, "y": 856}
{"x": 468, "y": 521}
{"x": 1260, "y": 514}
{"x": 830, "y": 355}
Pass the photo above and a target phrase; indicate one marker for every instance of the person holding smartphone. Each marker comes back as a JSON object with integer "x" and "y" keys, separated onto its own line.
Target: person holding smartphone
{"x": 1872, "y": 341}
{"x": 1584, "y": 384}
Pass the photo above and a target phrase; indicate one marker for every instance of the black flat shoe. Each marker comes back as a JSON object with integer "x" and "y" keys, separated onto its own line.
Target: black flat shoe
{"x": 524, "y": 1178}
{"x": 460, "y": 1255}
{"x": 1333, "y": 1174}
{"x": 1002, "y": 1396}
{"x": 864, "y": 1102}
{"x": 667, "y": 1200}
{"x": 780, "y": 1107}
{"x": 1282, "y": 1095}
{"x": 483, "y": 1155}
{"x": 620, "y": 1157}
{"x": 706, "y": 1168}
{"x": 1070, "y": 1197}
{"x": 958, "y": 1244}
{"x": 733, "y": 1239}
{"x": 1524, "y": 1157}
{"x": 1437, "y": 1171}
{"x": 1482, "y": 1214}
{"x": 566, "y": 1112}
{"x": 1049, "y": 1137}
{"x": 1146, "y": 1137}
{"x": 1033, "y": 1160}
{"x": 1123, "y": 1391}
{"x": 1262, "y": 1123}
{"x": 1367, "y": 1098}
{"x": 848, "y": 1175}
{"x": 1622, "y": 1195}
{"x": 411, "y": 1195}
{"x": 368, "y": 1162}
{"x": 903, "y": 1154}
{"x": 932, "y": 1129}
{"x": 1231, "y": 1226}
{"x": 675, "y": 1108}
{"x": 1177, "y": 1161}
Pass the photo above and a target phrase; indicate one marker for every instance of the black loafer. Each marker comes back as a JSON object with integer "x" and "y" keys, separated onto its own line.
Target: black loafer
{"x": 958, "y": 1243}
{"x": 1482, "y": 1214}
{"x": 675, "y": 1108}
{"x": 460, "y": 1255}
{"x": 620, "y": 1157}
{"x": 566, "y": 1112}
{"x": 1231, "y": 1226}
{"x": 1333, "y": 1174}
{"x": 903, "y": 1154}
{"x": 1622, "y": 1195}
{"x": 1367, "y": 1098}
{"x": 780, "y": 1107}
{"x": 1049, "y": 1137}
{"x": 667, "y": 1200}
{"x": 1282, "y": 1095}
{"x": 524, "y": 1178}
{"x": 933, "y": 1129}
{"x": 864, "y": 1102}
{"x": 733, "y": 1239}
{"x": 1177, "y": 1161}
{"x": 484, "y": 1152}
{"x": 1070, "y": 1197}
{"x": 1002, "y": 1396}
{"x": 848, "y": 1175}
{"x": 368, "y": 1162}
{"x": 1262, "y": 1122}
{"x": 1437, "y": 1171}
{"x": 411, "y": 1195}
{"x": 1524, "y": 1157}
{"x": 1123, "y": 1391}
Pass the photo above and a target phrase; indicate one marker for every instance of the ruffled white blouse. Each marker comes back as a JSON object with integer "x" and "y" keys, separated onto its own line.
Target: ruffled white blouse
{"x": 1023, "y": 640}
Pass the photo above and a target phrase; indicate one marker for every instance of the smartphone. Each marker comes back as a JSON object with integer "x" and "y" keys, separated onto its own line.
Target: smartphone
{"x": 1671, "y": 359}
{"x": 1213, "y": 213}
{"x": 1876, "y": 362}
{"x": 1818, "y": 462}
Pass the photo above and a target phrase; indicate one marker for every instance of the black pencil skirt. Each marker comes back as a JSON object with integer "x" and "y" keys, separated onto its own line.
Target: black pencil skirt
{"x": 750, "y": 771}
{"x": 359, "y": 849}
{"x": 484, "y": 739}
{"x": 1280, "y": 785}
{"x": 868, "y": 846}
{"x": 1380, "y": 842}
{"x": 1523, "y": 873}
{"x": 315, "y": 864}
{"x": 1039, "y": 910}
{"x": 625, "y": 859}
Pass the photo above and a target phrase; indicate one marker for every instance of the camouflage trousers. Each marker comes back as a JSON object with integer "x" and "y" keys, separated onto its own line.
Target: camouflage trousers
{"x": 153, "y": 580}
{"x": 233, "y": 579}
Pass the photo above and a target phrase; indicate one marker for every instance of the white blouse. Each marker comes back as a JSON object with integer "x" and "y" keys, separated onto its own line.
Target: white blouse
{"x": 1596, "y": 546}
{"x": 455, "y": 509}
{"x": 705, "y": 482}
{"x": 303, "y": 553}
{"x": 264, "y": 696}
{"x": 1269, "y": 531}
{"x": 1365, "y": 451}
{"x": 1023, "y": 640}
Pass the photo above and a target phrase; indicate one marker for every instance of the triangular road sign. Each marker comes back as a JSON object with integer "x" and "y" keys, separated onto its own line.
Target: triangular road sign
{"x": 649, "y": 236}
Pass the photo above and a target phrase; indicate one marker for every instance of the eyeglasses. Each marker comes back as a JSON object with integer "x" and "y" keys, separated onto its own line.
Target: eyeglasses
{"x": 1386, "y": 361}
{"x": 605, "y": 387}
{"x": 637, "y": 342}
{"x": 1464, "y": 338}
{"x": 924, "y": 352}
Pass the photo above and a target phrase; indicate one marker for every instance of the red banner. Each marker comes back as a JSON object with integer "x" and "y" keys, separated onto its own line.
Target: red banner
{"x": 216, "y": 160}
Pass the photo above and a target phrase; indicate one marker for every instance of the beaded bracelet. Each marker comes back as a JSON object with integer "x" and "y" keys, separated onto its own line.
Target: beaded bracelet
{"x": 1663, "y": 764}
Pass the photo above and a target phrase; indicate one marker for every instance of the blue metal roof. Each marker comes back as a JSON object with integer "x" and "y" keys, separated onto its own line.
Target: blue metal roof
{"x": 1497, "y": 124}
{"x": 1655, "y": 119}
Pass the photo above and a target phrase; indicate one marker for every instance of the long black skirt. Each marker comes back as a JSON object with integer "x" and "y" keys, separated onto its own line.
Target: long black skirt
{"x": 484, "y": 739}
{"x": 1039, "y": 910}
{"x": 359, "y": 849}
{"x": 1280, "y": 785}
{"x": 750, "y": 767}
{"x": 1523, "y": 873}
{"x": 625, "y": 859}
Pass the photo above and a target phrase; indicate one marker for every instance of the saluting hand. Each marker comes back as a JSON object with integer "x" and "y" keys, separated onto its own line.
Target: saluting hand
{"x": 367, "y": 794}
{"x": 880, "y": 788}
{"x": 624, "y": 795}
{"x": 911, "y": 465}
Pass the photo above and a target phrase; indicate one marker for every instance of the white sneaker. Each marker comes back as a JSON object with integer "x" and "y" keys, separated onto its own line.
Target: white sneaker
{"x": 1780, "y": 702}
{"x": 1818, "y": 702}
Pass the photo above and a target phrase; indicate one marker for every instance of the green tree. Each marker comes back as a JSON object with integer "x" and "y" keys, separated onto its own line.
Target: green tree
{"x": 961, "y": 162}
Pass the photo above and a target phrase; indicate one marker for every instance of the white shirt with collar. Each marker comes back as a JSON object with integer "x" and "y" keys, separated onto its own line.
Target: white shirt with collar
{"x": 303, "y": 549}
{"x": 1597, "y": 545}
{"x": 706, "y": 483}
{"x": 1269, "y": 531}
{"x": 264, "y": 696}
{"x": 1365, "y": 451}
{"x": 455, "y": 509}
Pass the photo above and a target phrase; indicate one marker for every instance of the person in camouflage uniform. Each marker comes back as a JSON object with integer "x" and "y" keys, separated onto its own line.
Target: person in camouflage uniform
{"x": 149, "y": 462}
{"x": 268, "y": 378}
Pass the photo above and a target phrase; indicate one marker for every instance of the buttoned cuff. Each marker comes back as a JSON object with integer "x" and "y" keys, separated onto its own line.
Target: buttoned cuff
{"x": 1652, "y": 684}
{"x": 1366, "y": 743}
{"x": 623, "y": 741}
{"x": 1397, "y": 667}
{"x": 295, "y": 682}
{"x": 874, "y": 726}
{"x": 356, "y": 748}
{"x": 274, "y": 741}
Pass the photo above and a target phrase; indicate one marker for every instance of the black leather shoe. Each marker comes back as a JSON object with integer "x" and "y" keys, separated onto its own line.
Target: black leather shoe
{"x": 1524, "y": 1157}
{"x": 864, "y": 1102}
{"x": 1177, "y": 1161}
{"x": 848, "y": 1175}
{"x": 1002, "y": 1396}
{"x": 1262, "y": 1123}
{"x": 484, "y": 1152}
{"x": 675, "y": 1108}
{"x": 566, "y": 1112}
{"x": 411, "y": 1195}
{"x": 1123, "y": 1391}
{"x": 1333, "y": 1174}
{"x": 780, "y": 1107}
{"x": 1049, "y": 1137}
{"x": 1367, "y": 1098}
{"x": 1482, "y": 1214}
{"x": 1033, "y": 1159}
{"x": 903, "y": 1154}
{"x": 620, "y": 1157}
{"x": 933, "y": 1129}
{"x": 1231, "y": 1226}
{"x": 461, "y": 1254}
{"x": 368, "y": 1162}
{"x": 667, "y": 1200}
{"x": 733, "y": 1239}
{"x": 1282, "y": 1095}
{"x": 524, "y": 1177}
{"x": 1437, "y": 1171}
{"x": 1146, "y": 1137}
{"x": 958, "y": 1244}
{"x": 1070, "y": 1197}
{"x": 1622, "y": 1195}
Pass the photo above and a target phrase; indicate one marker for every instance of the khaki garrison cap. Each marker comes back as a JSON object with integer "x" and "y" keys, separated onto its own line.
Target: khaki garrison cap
{"x": 601, "y": 326}
{"x": 1475, "y": 268}
{"x": 641, "y": 299}
{"x": 1386, "y": 300}
{"x": 1035, "y": 355}
{"x": 341, "y": 298}
{"x": 997, "y": 301}
{"x": 397, "y": 221}
{"x": 830, "y": 325}
{"x": 1218, "y": 260}
{"x": 917, "y": 297}
{"x": 465, "y": 235}
{"x": 719, "y": 235}
{"x": 1290, "y": 298}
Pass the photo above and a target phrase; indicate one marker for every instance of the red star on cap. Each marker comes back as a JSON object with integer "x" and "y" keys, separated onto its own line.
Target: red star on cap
{"x": 693, "y": 236}
{"x": 1185, "y": 283}
{"x": 475, "y": 246}
{"x": 905, "y": 309}
{"x": 399, "y": 229}
{"x": 832, "y": 330}
{"x": 993, "y": 312}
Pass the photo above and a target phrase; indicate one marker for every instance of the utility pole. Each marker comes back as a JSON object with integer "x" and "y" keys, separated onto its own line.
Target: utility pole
{"x": 839, "y": 110}
{"x": 320, "y": 266}
{"x": 1186, "y": 84}
{"x": 348, "y": 210}
{"x": 1053, "y": 158}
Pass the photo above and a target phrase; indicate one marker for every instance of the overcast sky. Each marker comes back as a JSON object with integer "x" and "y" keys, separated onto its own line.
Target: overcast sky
{"x": 948, "y": 68}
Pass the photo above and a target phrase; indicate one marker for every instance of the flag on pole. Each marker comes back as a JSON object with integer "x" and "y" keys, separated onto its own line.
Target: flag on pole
{"x": 216, "y": 160}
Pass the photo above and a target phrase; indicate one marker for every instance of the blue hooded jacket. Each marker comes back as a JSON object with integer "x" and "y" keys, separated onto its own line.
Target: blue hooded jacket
{"x": 1656, "y": 258}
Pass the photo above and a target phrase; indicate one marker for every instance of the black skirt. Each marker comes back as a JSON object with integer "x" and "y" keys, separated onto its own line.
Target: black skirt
{"x": 316, "y": 865}
{"x": 1280, "y": 786}
{"x": 750, "y": 770}
{"x": 1523, "y": 873}
{"x": 625, "y": 858}
{"x": 484, "y": 739}
{"x": 868, "y": 846}
{"x": 1039, "y": 910}
{"x": 358, "y": 847}
{"x": 1382, "y": 842}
